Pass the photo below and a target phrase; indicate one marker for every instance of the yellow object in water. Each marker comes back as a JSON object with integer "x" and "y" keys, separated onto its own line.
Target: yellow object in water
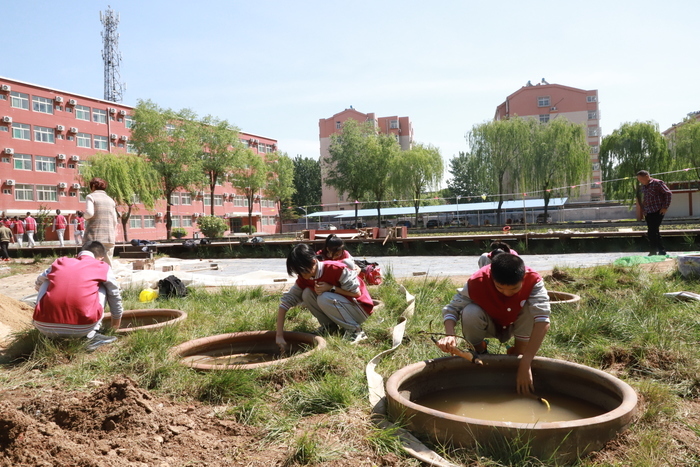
{"x": 148, "y": 295}
{"x": 545, "y": 402}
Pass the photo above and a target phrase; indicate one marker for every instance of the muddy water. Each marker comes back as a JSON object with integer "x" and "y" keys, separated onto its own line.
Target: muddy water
{"x": 239, "y": 356}
{"x": 505, "y": 406}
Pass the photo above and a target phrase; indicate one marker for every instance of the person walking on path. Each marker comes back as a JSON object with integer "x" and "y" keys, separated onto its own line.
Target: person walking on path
{"x": 78, "y": 227}
{"x": 59, "y": 226}
{"x": 30, "y": 228}
{"x": 101, "y": 214}
{"x": 5, "y": 240}
{"x": 18, "y": 230}
{"x": 655, "y": 203}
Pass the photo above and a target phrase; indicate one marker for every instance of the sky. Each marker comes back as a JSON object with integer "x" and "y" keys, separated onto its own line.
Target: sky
{"x": 273, "y": 68}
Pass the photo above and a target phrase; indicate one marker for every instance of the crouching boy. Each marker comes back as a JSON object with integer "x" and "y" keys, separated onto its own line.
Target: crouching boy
{"x": 501, "y": 300}
{"x": 330, "y": 290}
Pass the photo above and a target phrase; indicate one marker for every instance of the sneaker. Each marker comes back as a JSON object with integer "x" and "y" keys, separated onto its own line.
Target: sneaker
{"x": 99, "y": 340}
{"x": 354, "y": 336}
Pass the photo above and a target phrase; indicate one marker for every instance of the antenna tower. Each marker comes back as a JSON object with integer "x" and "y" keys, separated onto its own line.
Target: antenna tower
{"x": 111, "y": 55}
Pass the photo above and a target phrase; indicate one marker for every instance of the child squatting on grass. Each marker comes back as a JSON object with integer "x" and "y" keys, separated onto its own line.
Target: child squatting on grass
{"x": 334, "y": 250}
{"x": 330, "y": 290}
{"x": 501, "y": 300}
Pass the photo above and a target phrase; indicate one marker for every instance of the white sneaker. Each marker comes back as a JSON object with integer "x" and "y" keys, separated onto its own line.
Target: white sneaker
{"x": 355, "y": 336}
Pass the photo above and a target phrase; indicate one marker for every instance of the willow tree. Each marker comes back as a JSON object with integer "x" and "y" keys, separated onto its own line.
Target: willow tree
{"x": 559, "y": 156}
{"x": 130, "y": 181}
{"x": 382, "y": 152}
{"x": 500, "y": 149}
{"x": 170, "y": 141}
{"x": 346, "y": 168}
{"x": 685, "y": 147}
{"x": 627, "y": 150}
{"x": 221, "y": 150}
{"x": 280, "y": 179}
{"x": 416, "y": 171}
{"x": 467, "y": 178}
{"x": 250, "y": 177}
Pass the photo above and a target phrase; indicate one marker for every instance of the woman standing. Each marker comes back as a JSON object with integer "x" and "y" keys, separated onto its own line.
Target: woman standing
{"x": 101, "y": 215}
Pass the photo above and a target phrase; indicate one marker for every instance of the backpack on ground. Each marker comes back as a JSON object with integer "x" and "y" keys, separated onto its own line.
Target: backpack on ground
{"x": 371, "y": 273}
{"x": 170, "y": 287}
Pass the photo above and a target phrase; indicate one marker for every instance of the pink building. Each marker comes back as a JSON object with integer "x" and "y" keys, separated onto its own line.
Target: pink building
{"x": 45, "y": 134}
{"x": 545, "y": 102}
{"x": 400, "y": 127}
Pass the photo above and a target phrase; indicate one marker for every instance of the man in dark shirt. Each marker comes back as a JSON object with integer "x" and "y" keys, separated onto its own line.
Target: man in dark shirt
{"x": 655, "y": 203}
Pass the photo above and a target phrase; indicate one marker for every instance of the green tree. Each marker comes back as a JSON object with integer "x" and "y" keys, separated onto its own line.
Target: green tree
{"x": 346, "y": 166}
{"x": 627, "y": 150}
{"x": 685, "y": 147}
{"x": 382, "y": 153}
{"x": 307, "y": 182}
{"x": 250, "y": 177}
{"x": 280, "y": 182}
{"x": 170, "y": 141}
{"x": 500, "y": 148}
{"x": 221, "y": 150}
{"x": 466, "y": 181}
{"x": 559, "y": 157}
{"x": 131, "y": 180}
{"x": 212, "y": 226}
{"x": 416, "y": 171}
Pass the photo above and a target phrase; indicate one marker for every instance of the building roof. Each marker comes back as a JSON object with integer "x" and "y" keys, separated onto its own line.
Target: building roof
{"x": 444, "y": 208}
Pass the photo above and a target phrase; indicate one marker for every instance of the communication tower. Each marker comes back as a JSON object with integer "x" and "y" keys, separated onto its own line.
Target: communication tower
{"x": 111, "y": 56}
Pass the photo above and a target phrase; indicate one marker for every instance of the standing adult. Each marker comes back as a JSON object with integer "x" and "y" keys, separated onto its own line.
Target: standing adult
{"x": 655, "y": 203}
{"x": 30, "y": 228}
{"x": 78, "y": 227}
{"x": 18, "y": 230}
{"x": 100, "y": 211}
{"x": 59, "y": 226}
{"x": 5, "y": 240}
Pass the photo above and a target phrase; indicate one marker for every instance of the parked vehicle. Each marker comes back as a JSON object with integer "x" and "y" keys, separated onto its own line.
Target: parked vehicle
{"x": 406, "y": 223}
{"x": 433, "y": 224}
{"x": 541, "y": 219}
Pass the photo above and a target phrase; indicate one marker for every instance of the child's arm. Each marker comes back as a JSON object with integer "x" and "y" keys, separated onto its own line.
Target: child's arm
{"x": 289, "y": 299}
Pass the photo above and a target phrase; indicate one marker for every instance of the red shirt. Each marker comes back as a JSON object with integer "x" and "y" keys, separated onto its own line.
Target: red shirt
{"x": 80, "y": 223}
{"x": 30, "y": 223}
{"x": 332, "y": 270}
{"x": 60, "y": 222}
{"x": 18, "y": 227}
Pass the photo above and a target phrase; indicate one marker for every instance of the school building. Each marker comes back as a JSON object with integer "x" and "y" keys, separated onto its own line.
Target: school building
{"x": 546, "y": 102}
{"x": 46, "y": 134}
{"x": 400, "y": 127}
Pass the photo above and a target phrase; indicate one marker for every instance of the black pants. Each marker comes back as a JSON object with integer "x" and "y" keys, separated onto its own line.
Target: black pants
{"x": 5, "y": 252}
{"x": 653, "y": 223}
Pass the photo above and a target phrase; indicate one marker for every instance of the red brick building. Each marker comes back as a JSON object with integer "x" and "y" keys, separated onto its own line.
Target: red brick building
{"x": 545, "y": 102}
{"x": 45, "y": 134}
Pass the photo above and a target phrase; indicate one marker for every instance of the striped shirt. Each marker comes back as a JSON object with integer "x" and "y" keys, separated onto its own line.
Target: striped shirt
{"x": 657, "y": 196}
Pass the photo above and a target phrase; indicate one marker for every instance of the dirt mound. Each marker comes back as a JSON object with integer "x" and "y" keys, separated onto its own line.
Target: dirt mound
{"x": 14, "y": 316}
{"x": 117, "y": 425}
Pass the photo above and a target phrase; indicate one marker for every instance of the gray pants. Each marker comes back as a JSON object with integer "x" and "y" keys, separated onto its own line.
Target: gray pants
{"x": 476, "y": 325}
{"x": 332, "y": 308}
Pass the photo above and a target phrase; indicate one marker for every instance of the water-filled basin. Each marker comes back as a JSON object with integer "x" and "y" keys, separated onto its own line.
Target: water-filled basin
{"x": 244, "y": 350}
{"x": 689, "y": 266}
{"x": 563, "y": 441}
{"x": 149, "y": 319}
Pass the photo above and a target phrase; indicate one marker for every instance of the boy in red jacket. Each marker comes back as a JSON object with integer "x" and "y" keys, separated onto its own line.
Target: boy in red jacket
{"x": 501, "y": 300}
{"x": 330, "y": 290}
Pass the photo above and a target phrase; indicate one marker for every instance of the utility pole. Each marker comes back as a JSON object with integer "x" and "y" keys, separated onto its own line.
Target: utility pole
{"x": 111, "y": 56}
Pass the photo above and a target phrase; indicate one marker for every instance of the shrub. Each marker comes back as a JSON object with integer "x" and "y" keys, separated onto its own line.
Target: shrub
{"x": 178, "y": 232}
{"x": 212, "y": 226}
{"x": 249, "y": 229}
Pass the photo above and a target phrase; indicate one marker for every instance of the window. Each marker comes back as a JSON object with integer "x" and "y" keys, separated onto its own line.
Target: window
{"x": 175, "y": 199}
{"x": 186, "y": 221}
{"x": 175, "y": 220}
{"x": 24, "y": 193}
{"x": 99, "y": 116}
{"x": 101, "y": 142}
{"x": 21, "y": 131}
{"x": 393, "y": 124}
{"x": 84, "y": 140}
{"x": 46, "y": 193}
{"x": 23, "y": 162}
{"x": 135, "y": 199}
{"x": 170, "y": 128}
{"x": 6, "y": 160}
{"x": 261, "y": 149}
{"x": 595, "y": 149}
{"x": 238, "y": 201}
{"x": 207, "y": 199}
{"x": 42, "y": 104}
{"x": 338, "y": 125}
{"x": 135, "y": 222}
{"x": 128, "y": 121}
{"x": 82, "y": 112}
{"x": 4, "y": 128}
{"x": 592, "y": 131}
{"x": 72, "y": 194}
{"x": 186, "y": 198}
{"x": 592, "y": 115}
{"x": 544, "y": 118}
{"x": 45, "y": 164}
{"x": 19, "y": 100}
{"x": 149, "y": 222}
{"x": 591, "y": 98}
{"x": 543, "y": 101}
{"x": 44, "y": 134}
{"x": 218, "y": 200}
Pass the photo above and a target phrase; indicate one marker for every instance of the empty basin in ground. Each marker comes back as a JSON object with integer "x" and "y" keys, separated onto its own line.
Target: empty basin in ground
{"x": 561, "y": 298}
{"x": 148, "y": 319}
{"x": 245, "y": 350}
